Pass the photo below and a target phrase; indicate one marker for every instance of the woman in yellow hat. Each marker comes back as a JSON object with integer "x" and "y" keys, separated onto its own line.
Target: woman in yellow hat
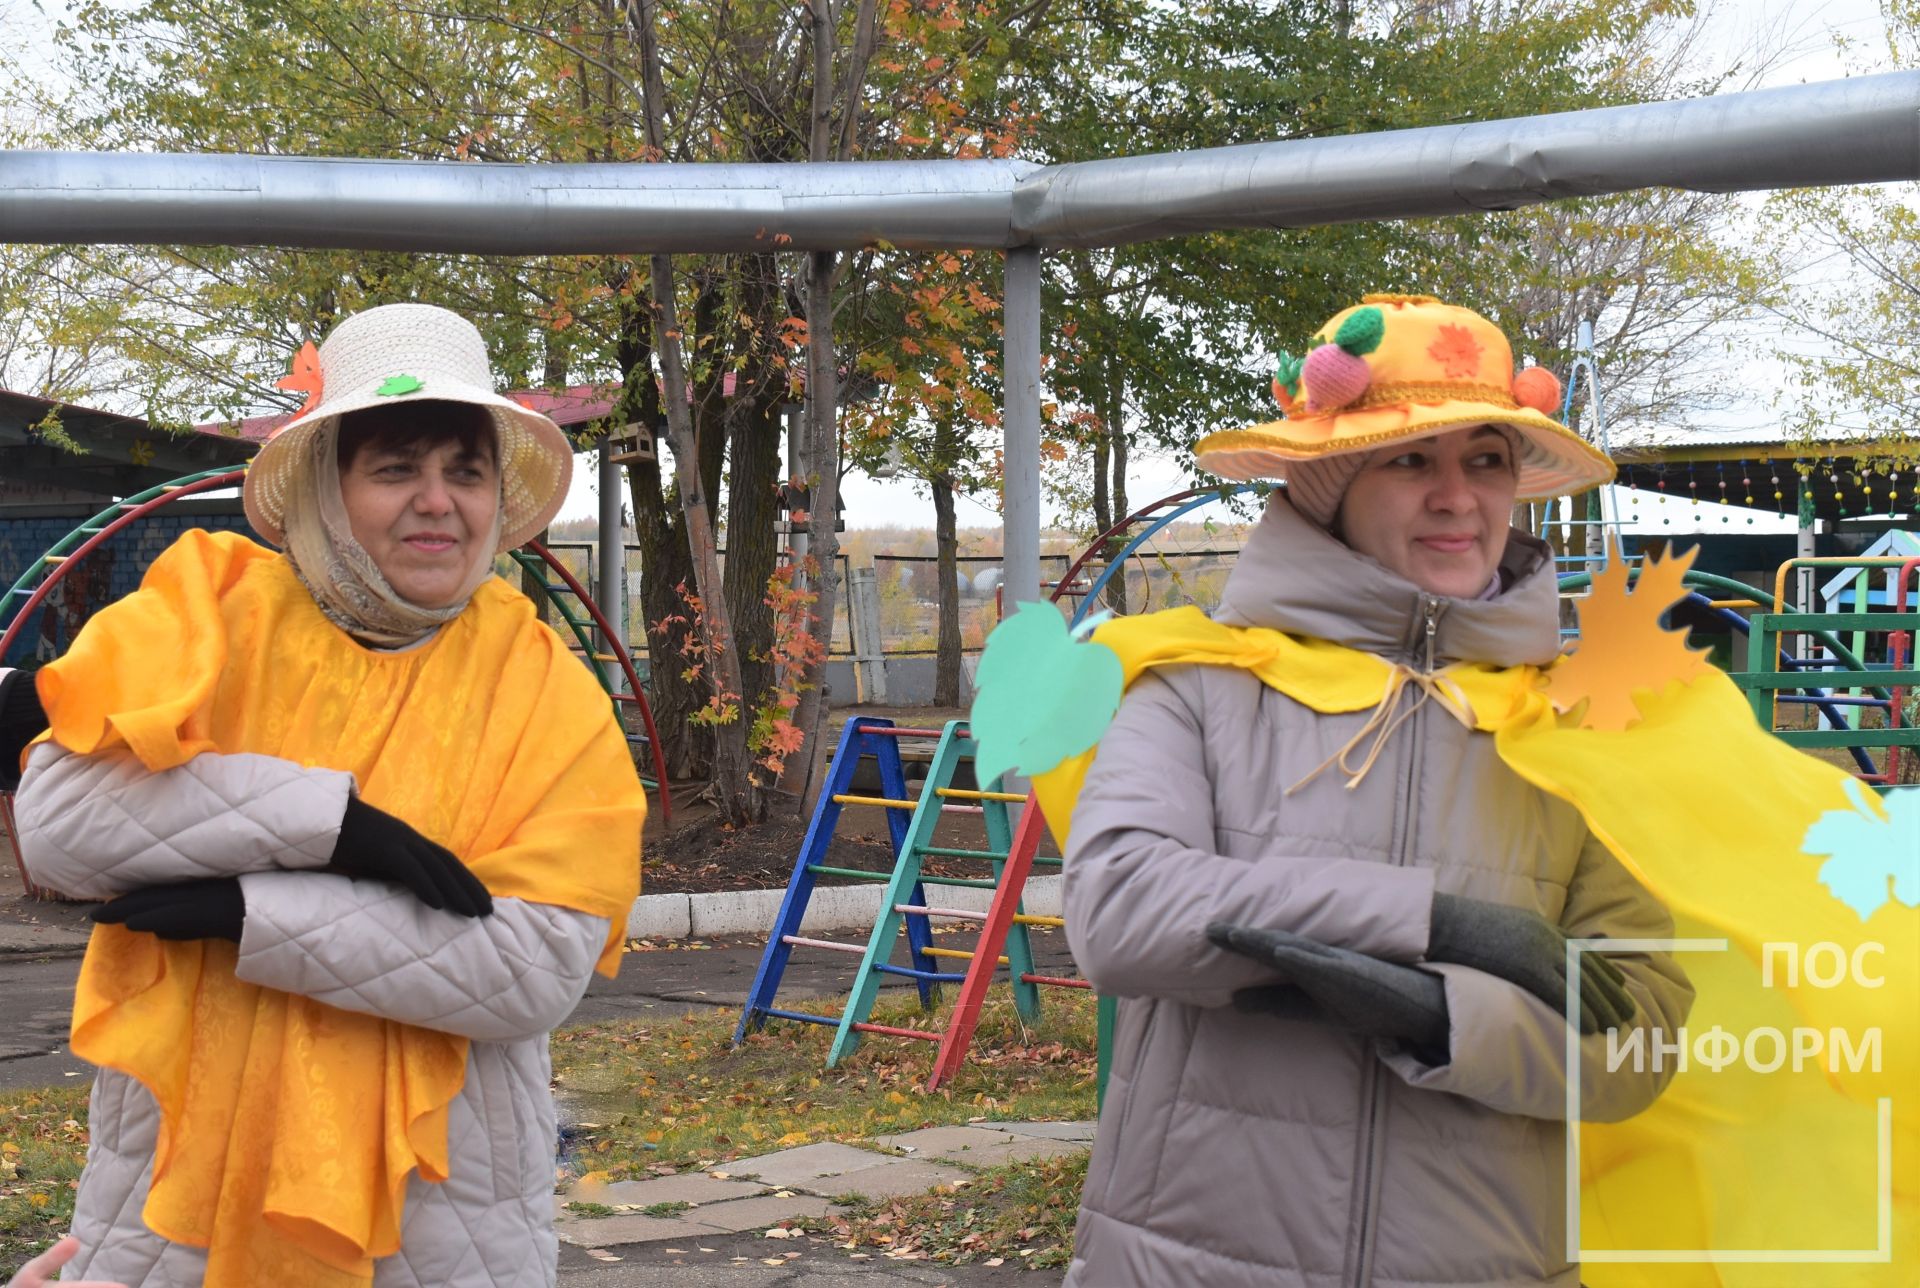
{"x": 1339, "y": 935}
{"x": 366, "y": 828}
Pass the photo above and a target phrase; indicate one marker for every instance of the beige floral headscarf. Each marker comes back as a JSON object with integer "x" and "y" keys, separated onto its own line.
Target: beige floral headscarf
{"x": 341, "y": 576}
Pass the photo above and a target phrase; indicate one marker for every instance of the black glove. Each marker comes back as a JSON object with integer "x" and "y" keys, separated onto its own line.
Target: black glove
{"x": 1349, "y": 991}
{"x": 209, "y": 909}
{"x": 375, "y": 844}
{"x": 1526, "y": 949}
{"x": 21, "y": 721}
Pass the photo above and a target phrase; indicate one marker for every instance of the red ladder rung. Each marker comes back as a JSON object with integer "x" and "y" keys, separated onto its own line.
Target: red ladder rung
{"x": 890, "y": 1031}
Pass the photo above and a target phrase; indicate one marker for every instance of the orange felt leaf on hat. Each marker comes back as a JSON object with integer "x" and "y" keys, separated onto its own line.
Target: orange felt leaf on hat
{"x": 304, "y": 377}
{"x": 1457, "y": 352}
{"x": 1623, "y": 649}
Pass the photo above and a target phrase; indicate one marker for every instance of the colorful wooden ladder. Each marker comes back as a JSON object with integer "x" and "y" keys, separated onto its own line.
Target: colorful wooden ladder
{"x": 862, "y": 736}
{"x": 905, "y": 902}
{"x": 1003, "y": 916}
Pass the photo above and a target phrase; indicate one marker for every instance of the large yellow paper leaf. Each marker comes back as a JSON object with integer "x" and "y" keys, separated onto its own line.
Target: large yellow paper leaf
{"x": 1623, "y": 649}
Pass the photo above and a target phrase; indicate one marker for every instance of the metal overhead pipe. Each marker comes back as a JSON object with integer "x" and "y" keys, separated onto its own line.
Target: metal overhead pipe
{"x": 1862, "y": 130}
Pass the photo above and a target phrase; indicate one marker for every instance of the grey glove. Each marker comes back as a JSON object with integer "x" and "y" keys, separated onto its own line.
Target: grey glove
{"x": 1526, "y": 949}
{"x": 1349, "y": 991}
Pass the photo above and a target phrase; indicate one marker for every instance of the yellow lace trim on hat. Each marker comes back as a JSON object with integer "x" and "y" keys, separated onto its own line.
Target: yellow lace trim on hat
{"x": 1392, "y": 392}
{"x": 1386, "y": 297}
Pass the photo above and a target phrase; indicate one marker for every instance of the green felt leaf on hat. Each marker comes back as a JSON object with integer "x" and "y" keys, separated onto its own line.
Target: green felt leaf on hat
{"x": 1287, "y": 372}
{"x": 1361, "y": 333}
{"x": 393, "y": 386}
{"x": 1041, "y": 696}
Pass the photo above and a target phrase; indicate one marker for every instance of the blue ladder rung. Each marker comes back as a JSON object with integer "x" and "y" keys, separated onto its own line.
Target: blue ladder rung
{"x": 801, "y": 1015}
{"x": 934, "y": 976}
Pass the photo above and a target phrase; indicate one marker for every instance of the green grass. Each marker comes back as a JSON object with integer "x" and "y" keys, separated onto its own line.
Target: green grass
{"x": 673, "y": 1208}
{"x": 666, "y": 1095}
{"x": 43, "y": 1144}
{"x": 1023, "y": 1212}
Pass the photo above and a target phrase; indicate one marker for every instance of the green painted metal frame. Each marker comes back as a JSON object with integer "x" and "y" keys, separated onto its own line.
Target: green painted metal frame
{"x": 954, "y": 749}
{"x": 1763, "y": 682}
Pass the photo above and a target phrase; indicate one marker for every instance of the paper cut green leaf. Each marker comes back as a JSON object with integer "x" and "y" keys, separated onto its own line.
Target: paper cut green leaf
{"x": 1871, "y": 850}
{"x": 1041, "y": 696}
{"x": 393, "y": 386}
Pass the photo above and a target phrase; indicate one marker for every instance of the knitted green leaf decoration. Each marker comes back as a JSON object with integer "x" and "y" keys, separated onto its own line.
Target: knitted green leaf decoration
{"x": 1360, "y": 334}
{"x": 393, "y": 386}
{"x": 1286, "y": 373}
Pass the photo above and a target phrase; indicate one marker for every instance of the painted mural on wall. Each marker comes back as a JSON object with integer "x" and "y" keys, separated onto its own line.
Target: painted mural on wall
{"x": 114, "y": 569}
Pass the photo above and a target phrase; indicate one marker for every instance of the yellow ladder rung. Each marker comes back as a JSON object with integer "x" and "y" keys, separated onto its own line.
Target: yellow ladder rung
{"x": 1022, "y": 919}
{"x": 875, "y": 800}
{"x": 961, "y": 793}
{"x": 606, "y": 657}
{"x": 53, "y": 559}
{"x": 956, "y": 952}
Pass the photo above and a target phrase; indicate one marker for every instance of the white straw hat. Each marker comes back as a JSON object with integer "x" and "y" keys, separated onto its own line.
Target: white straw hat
{"x": 400, "y": 353}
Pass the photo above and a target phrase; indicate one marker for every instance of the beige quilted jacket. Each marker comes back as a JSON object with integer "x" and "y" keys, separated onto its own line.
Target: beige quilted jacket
{"x": 1246, "y": 1151}
{"x": 96, "y": 826}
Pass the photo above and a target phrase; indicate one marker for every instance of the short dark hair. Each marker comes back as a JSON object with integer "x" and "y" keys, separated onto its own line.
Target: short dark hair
{"x": 418, "y": 426}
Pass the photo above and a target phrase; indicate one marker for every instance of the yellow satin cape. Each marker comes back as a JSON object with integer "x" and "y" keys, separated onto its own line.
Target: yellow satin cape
{"x": 1736, "y": 1176}
{"x": 288, "y": 1128}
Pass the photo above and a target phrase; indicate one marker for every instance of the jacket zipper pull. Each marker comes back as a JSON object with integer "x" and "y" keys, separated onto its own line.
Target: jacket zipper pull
{"x": 1433, "y": 625}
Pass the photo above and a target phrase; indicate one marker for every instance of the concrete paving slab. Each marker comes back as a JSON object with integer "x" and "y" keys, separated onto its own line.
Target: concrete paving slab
{"x": 757, "y": 1214}
{"x": 1016, "y": 1149}
{"x": 1075, "y": 1131}
{"x": 945, "y": 1142}
{"x": 627, "y": 1227}
{"x": 893, "y": 1179}
{"x": 801, "y": 1165}
{"x": 695, "y": 1188}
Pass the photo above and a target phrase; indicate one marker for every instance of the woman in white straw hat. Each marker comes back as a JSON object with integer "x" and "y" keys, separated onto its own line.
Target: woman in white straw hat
{"x": 365, "y": 828}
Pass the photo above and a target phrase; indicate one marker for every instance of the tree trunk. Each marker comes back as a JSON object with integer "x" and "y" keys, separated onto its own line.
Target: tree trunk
{"x": 733, "y": 786}
{"x": 823, "y": 428}
{"x": 753, "y": 454}
{"x": 665, "y": 565}
{"x": 946, "y": 545}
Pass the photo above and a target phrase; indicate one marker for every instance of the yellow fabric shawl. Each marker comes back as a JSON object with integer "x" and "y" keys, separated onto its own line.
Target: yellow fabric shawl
{"x": 288, "y": 1128}
{"x": 1793, "y": 1171}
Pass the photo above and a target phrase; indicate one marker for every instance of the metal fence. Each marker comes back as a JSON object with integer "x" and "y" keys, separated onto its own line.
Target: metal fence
{"x": 582, "y": 560}
{"x": 908, "y": 589}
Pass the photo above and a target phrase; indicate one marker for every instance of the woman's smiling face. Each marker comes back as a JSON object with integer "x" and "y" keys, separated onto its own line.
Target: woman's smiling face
{"x": 419, "y": 505}
{"x": 1435, "y": 510}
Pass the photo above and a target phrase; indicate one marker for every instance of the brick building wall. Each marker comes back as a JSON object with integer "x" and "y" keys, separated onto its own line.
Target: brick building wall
{"x": 111, "y": 571}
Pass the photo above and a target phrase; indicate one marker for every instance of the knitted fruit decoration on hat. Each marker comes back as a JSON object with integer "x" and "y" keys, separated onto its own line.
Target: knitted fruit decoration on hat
{"x": 1336, "y": 374}
{"x": 1538, "y": 388}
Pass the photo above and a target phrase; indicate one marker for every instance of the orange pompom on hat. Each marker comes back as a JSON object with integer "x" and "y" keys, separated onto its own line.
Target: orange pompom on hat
{"x": 1397, "y": 367}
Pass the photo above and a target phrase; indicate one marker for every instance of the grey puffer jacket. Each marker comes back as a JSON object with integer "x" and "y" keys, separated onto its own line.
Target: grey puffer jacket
{"x": 1239, "y": 1150}
{"x": 96, "y": 826}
